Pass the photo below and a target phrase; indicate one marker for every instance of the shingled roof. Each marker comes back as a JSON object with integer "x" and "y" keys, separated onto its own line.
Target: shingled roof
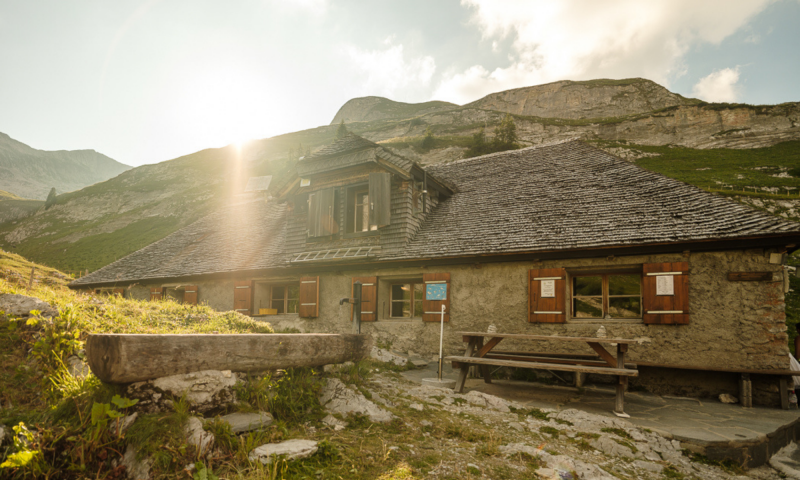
{"x": 573, "y": 196}
{"x": 240, "y": 237}
{"x": 348, "y": 151}
{"x": 567, "y": 196}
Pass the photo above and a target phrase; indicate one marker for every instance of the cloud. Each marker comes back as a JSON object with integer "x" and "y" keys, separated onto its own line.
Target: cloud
{"x": 389, "y": 72}
{"x": 583, "y": 39}
{"x": 719, "y": 86}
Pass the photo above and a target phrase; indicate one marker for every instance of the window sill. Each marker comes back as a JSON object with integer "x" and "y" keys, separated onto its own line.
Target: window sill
{"x": 371, "y": 233}
{"x": 600, "y": 321}
{"x": 277, "y": 315}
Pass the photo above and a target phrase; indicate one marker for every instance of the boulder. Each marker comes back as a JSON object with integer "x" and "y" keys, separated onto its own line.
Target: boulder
{"x": 4, "y": 432}
{"x": 22, "y": 305}
{"x": 206, "y": 390}
{"x": 387, "y": 356}
{"x": 245, "y": 422}
{"x": 77, "y": 367}
{"x": 136, "y": 469}
{"x": 337, "y": 398}
{"x": 334, "y": 423}
{"x": 728, "y": 398}
{"x": 197, "y": 436}
{"x": 290, "y": 450}
{"x": 484, "y": 399}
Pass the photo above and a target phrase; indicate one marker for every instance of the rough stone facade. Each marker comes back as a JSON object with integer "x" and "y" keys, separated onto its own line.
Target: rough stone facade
{"x": 732, "y": 324}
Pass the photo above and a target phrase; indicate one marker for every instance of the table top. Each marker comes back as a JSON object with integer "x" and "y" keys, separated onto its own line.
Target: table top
{"x": 522, "y": 336}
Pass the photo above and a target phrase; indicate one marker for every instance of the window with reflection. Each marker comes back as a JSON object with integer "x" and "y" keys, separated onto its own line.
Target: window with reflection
{"x": 407, "y": 300}
{"x": 607, "y": 296}
{"x": 284, "y": 298}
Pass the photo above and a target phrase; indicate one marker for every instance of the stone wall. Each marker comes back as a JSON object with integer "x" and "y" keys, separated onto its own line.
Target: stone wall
{"x": 732, "y": 324}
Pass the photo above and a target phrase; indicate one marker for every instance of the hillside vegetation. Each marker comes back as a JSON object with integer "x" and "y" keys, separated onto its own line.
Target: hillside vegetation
{"x": 31, "y": 173}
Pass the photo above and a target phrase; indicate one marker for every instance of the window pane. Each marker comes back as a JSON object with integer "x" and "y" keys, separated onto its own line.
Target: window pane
{"x": 401, "y": 309}
{"x": 294, "y": 292}
{"x": 292, "y": 306}
{"x": 277, "y": 305}
{"x": 625, "y": 307}
{"x": 278, "y": 298}
{"x": 624, "y": 284}
{"x": 588, "y": 286}
{"x": 419, "y": 292}
{"x": 401, "y": 291}
{"x": 588, "y": 307}
{"x": 418, "y": 308}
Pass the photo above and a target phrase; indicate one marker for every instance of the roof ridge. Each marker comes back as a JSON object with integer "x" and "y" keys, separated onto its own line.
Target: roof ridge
{"x": 495, "y": 154}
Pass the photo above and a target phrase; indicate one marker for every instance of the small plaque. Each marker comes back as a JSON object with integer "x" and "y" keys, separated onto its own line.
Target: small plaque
{"x": 436, "y": 291}
{"x": 665, "y": 285}
{"x": 548, "y": 288}
{"x": 304, "y": 182}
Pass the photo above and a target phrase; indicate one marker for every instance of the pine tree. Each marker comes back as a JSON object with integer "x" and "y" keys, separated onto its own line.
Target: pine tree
{"x": 341, "y": 131}
{"x": 505, "y": 135}
{"x": 479, "y": 145}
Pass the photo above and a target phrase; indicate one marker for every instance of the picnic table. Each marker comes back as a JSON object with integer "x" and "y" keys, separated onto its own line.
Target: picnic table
{"x": 481, "y": 354}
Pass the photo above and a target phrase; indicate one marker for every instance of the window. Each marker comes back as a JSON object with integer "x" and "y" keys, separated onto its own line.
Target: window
{"x": 607, "y": 296}
{"x": 284, "y": 298}
{"x": 407, "y": 300}
{"x": 358, "y": 210}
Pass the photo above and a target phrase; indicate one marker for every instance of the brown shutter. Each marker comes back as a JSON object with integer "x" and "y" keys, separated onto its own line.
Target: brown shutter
{"x": 309, "y": 297}
{"x": 118, "y": 291}
{"x": 432, "y": 309}
{"x": 369, "y": 298}
{"x": 549, "y": 309}
{"x": 157, "y": 293}
{"x": 321, "y": 213}
{"x": 380, "y": 199}
{"x": 190, "y": 294}
{"x": 243, "y": 297}
{"x": 666, "y": 309}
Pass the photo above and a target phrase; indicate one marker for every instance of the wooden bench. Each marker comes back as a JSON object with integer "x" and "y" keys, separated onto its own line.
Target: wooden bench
{"x": 480, "y": 354}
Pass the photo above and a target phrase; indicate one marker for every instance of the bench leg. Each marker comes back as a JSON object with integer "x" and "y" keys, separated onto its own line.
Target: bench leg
{"x": 462, "y": 375}
{"x": 784, "y": 388}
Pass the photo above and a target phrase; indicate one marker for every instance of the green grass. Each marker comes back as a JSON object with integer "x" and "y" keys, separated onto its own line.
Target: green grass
{"x": 738, "y": 168}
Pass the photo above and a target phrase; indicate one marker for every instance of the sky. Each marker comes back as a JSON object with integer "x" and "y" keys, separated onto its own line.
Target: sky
{"x": 147, "y": 81}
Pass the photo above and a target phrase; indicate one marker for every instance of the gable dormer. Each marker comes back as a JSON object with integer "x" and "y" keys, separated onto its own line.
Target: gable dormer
{"x": 356, "y": 199}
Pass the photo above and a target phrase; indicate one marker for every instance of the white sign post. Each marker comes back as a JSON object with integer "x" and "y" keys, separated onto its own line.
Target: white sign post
{"x": 441, "y": 341}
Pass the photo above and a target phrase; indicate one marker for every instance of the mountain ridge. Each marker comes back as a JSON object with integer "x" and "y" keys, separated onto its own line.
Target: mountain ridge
{"x": 31, "y": 173}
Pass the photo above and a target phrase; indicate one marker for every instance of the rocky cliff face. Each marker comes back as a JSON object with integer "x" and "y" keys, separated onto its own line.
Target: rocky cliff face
{"x": 31, "y": 173}
{"x": 367, "y": 109}
{"x": 584, "y": 100}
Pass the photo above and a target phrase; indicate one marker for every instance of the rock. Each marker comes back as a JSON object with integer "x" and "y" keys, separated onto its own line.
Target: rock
{"x": 610, "y": 447}
{"x": 77, "y": 367}
{"x": 490, "y": 401}
{"x": 245, "y": 422}
{"x": 546, "y": 473}
{"x": 334, "y": 423}
{"x": 417, "y": 406}
{"x": 197, "y": 436}
{"x": 22, "y": 305}
{"x": 419, "y": 362}
{"x": 649, "y": 466}
{"x": 4, "y": 432}
{"x": 337, "y": 398}
{"x": 124, "y": 423}
{"x": 787, "y": 461}
{"x": 426, "y": 423}
{"x": 728, "y": 398}
{"x": 290, "y": 449}
{"x": 136, "y": 469}
{"x": 205, "y": 390}
{"x": 387, "y": 356}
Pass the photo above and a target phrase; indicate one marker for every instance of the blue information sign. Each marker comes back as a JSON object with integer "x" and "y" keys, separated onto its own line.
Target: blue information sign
{"x": 436, "y": 291}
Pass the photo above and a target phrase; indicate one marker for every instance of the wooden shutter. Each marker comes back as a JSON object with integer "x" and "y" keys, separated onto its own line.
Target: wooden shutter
{"x": 243, "y": 297}
{"x": 190, "y": 294}
{"x": 157, "y": 293}
{"x": 546, "y": 300}
{"x": 432, "y": 309}
{"x": 380, "y": 199}
{"x": 118, "y": 291}
{"x": 309, "y": 297}
{"x": 369, "y": 298}
{"x": 321, "y": 214}
{"x": 666, "y": 309}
